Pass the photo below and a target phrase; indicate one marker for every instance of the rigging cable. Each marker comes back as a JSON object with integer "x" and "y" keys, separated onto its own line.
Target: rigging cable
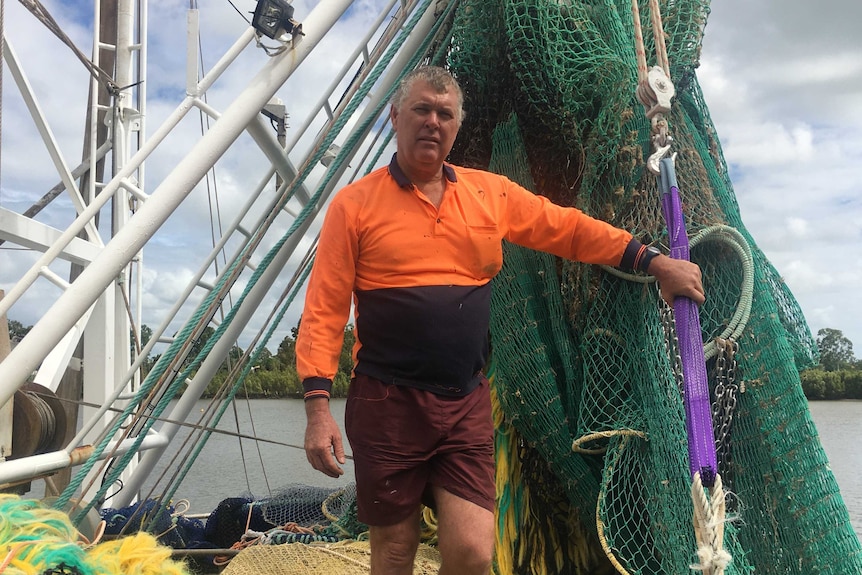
{"x": 35, "y": 7}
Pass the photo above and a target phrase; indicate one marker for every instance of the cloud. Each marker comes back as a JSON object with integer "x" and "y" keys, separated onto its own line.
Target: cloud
{"x": 783, "y": 82}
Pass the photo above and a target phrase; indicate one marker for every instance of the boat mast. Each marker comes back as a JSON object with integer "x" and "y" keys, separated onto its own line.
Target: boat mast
{"x": 98, "y": 342}
{"x": 115, "y": 117}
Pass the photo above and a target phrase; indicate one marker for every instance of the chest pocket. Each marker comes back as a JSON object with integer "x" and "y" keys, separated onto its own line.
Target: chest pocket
{"x": 484, "y": 255}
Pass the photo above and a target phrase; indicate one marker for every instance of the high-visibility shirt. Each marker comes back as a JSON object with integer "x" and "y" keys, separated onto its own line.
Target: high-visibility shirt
{"x": 420, "y": 276}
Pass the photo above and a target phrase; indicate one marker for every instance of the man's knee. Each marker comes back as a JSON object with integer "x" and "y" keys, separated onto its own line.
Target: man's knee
{"x": 469, "y": 556}
{"x": 393, "y": 548}
{"x": 394, "y": 552}
{"x": 465, "y": 535}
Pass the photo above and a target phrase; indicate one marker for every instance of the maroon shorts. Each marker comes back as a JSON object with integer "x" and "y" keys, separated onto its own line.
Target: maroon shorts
{"x": 404, "y": 440}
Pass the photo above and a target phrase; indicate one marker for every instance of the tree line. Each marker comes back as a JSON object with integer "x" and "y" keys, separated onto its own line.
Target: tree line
{"x": 272, "y": 376}
{"x": 839, "y": 373}
{"x": 837, "y": 376}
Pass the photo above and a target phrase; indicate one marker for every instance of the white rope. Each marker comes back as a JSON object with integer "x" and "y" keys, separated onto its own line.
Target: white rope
{"x": 709, "y": 520}
{"x": 640, "y": 51}
{"x": 658, "y": 34}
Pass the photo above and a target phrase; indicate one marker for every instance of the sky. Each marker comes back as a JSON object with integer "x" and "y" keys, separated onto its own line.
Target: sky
{"x": 783, "y": 82}
{"x": 782, "y": 79}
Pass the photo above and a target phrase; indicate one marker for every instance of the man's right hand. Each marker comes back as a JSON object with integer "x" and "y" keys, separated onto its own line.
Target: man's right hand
{"x": 323, "y": 443}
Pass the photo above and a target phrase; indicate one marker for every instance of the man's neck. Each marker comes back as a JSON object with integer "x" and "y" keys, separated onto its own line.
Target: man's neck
{"x": 421, "y": 176}
{"x": 430, "y": 182}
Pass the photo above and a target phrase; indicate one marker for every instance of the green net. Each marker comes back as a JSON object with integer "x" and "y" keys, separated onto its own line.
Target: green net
{"x": 582, "y": 354}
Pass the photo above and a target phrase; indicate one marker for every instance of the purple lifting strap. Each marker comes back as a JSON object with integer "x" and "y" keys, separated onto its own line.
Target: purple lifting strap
{"x": 698, "y": 412}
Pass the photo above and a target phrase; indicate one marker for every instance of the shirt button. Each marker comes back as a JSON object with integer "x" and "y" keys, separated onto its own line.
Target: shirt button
{"x": 439, "y": 220}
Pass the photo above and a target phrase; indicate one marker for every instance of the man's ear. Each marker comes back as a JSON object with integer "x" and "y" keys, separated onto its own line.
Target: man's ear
{"x": 393, "y": 114}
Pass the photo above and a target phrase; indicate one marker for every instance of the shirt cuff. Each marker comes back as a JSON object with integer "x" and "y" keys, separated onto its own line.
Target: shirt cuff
{"x": 638, "y": 256}
{"x": 633, "y": 256}
{"x": 316, "y": 387}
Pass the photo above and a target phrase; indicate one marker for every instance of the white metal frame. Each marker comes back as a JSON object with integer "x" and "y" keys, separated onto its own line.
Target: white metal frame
{"x": 80, "y": 300}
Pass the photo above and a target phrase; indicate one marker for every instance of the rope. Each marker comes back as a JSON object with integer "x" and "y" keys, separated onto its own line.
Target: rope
{"x": 35, "y": 7}
{"x": 732, "y": 237}
{"x": 609, "y": 550}
{"x": 37, "y": 539}
{"x": 658, "y": 36}
{"x": 640, "y": 51}
{"x": 708, "y": 514}
{"x": 739, "y": 320}
{"x": 709, "y": 519}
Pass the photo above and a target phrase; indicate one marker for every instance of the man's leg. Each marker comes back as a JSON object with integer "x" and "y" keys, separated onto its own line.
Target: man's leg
{"x": 393, "y": 547}
{"x": 465, "y": 535}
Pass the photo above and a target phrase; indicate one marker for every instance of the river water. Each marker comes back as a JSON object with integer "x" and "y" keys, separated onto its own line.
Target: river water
{"x": 228, "y": 468}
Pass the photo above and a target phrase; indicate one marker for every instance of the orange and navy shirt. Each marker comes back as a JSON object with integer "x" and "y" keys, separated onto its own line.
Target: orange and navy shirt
{"x": 420, "y": 276}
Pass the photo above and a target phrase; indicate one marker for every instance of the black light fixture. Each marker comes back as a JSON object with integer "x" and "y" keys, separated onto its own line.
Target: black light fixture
{"x": 273, "y": 17}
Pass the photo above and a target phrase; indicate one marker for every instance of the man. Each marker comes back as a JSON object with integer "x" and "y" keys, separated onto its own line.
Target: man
{"x": 416, "y": 245}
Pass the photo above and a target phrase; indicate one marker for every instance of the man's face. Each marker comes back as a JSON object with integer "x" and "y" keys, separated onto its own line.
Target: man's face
{"x": 426, "y": 125}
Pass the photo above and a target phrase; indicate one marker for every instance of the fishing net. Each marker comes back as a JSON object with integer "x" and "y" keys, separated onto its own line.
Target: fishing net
{"x": 37, "y": 539}
{"x": 583, "y": 355}
{"x": 293, "y": 513}
{"x": 303, "y": 529}
{"x": 345, "y": 557}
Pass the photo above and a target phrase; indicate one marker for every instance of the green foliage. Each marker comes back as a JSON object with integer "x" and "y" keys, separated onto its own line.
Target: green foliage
{"x": 345, "y": 361}
{"x": 275, "y": 375}
{"x": 137, "y": 347}
{"x": 818, "y": 383}
{"x": 839, "y": 375}
{"x": 813, "y": 383}
{"x": 836, "y": 351}
{"x": 271, "y": 384}
{"x": 853, "y": 383}
{"x": 17, "y": 331}
{"x": 833, "y": 385}
{"x": 339, "y": 384}
{"x": 286, "y": 354}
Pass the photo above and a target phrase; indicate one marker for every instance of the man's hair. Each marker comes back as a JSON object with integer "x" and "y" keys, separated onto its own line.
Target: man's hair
{"x": 438, "y": 78}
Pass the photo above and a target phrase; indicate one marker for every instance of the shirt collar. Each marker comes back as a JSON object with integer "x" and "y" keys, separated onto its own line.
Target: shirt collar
{"x": 403, "y": 181}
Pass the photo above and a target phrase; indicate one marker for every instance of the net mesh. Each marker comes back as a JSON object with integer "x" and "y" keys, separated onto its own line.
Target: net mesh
{"x": 301, "y": 504}
{"x": 344, "y": 557}
{"x": 581, "y": 354}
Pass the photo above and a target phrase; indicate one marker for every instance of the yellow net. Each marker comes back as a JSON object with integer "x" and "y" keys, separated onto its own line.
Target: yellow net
{"x": 344, "y": 558}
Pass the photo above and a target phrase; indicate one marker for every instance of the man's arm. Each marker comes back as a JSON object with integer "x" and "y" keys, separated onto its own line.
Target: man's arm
{"x": 327, "y": 302}
{"x": 537, "y": 223}
{"x": 321, "y": 333}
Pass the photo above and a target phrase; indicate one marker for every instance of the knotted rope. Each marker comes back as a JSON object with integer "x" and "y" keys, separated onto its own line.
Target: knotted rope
{"x": 709, "y": 518}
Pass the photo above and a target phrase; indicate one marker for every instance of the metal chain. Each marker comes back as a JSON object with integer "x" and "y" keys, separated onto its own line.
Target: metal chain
{"x": 724, "y": 407}
{"x": 671, "y": 342}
